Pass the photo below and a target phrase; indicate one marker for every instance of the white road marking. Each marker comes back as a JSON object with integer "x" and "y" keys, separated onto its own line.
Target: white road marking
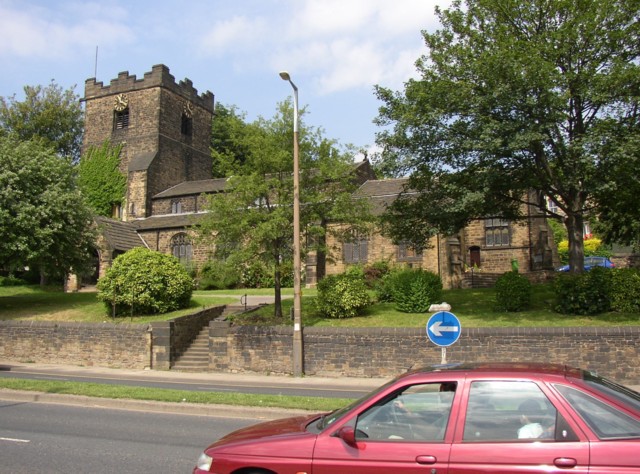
{"x": 15, "y": 440}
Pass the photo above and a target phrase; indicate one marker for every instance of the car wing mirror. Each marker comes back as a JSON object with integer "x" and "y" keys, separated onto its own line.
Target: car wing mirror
{"x": 348, "y": 435}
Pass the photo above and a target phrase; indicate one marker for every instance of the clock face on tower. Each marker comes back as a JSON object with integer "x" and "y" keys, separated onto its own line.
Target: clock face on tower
{"x": 188, "y": 109}
{"x": 122, "y": 102}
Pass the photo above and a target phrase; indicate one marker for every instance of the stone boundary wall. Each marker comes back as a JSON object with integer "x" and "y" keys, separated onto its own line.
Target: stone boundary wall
{"x": 332, "y": 352}
{"x": 126, "y": 346}
{"x": 385, "y": 352}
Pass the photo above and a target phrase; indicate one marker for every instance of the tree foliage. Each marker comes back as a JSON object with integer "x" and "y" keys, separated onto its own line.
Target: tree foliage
{"x": 229, "y": 140}
{"x": 44, "y": 222}
{"x": 253, "y": 219}
{"x": 516, "y": 96}
{"x": 100, "y": 179}
{"x": 50, "y": 114}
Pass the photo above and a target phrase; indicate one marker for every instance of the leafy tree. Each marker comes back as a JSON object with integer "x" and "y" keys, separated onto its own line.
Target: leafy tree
{"x": 49, "y": 113}
{"x": 44, "y": 222}
{"x": 516, "y": 96}
{"x": 252, "y": 220}
{"x": 228, "y": 140}
{"x": 618, "y": 218}
{"x": 100, "y": 179}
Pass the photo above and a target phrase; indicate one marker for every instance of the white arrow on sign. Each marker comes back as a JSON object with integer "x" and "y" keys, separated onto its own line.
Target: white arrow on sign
{"x": 437, "y": 328}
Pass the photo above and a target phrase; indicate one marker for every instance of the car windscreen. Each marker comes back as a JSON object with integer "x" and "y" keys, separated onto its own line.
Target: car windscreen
{"x": 337, "y": 414}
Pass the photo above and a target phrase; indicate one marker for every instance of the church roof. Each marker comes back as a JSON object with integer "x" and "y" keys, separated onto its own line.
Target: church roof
{"x": 194, "y": 187}
{"x": 118, "y": 234}
{"x": 168, "y": 221}
{"x": 381, "y": 193}
{"x": 142, "y": 161}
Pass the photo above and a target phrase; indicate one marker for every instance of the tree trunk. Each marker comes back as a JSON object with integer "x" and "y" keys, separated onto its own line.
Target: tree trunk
{"x": 277, "y": 307}
{"x": 575, "y": 225}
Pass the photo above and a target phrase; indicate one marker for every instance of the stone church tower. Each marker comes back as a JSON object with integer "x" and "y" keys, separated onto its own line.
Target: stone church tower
{"x": 164, "y": 128}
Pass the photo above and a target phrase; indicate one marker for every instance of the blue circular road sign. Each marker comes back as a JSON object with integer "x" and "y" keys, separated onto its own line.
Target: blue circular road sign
{"x": 443, "y": 328}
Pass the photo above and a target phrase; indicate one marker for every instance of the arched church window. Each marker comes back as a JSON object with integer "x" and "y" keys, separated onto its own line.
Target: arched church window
{"x": 181, "y": 247}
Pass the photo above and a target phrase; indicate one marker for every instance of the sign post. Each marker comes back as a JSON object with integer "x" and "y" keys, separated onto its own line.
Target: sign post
{"x": 443, "y": 329}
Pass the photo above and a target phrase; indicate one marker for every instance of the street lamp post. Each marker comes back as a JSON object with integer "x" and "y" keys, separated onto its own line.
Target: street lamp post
{"x": 297, "y": 321}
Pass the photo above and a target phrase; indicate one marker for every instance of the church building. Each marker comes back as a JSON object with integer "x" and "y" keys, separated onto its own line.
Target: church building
{"x": 164, "y": 128}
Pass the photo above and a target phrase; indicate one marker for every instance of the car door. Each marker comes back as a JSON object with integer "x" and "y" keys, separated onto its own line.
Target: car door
{"x": 511, "y": 426}
{"x": 405, "y": 432}
{"x": 614, "y": 435}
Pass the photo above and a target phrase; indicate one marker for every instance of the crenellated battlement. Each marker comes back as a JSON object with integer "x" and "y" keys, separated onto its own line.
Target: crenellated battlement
{"x": 159, "y": 76}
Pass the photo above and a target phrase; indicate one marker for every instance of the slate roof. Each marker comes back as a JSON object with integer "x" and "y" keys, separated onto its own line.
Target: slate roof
{"x": 381, "y": 193}
{"x": 142, "y": 161}
{"x": 187, "y": 188}
{"x": 167, "y": 221}
{"x": 118, "y": 234}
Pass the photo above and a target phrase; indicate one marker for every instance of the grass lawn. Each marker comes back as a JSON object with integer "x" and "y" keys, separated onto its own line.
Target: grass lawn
{"x": 474, "y": 308}
{"x": 33, "y": 303}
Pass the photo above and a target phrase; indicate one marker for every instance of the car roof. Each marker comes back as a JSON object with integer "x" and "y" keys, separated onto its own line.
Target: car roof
{"x": 531, "y": 368}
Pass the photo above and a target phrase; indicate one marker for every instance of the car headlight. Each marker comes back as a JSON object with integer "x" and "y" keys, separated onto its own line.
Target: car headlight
{"x": 204, "y": 462}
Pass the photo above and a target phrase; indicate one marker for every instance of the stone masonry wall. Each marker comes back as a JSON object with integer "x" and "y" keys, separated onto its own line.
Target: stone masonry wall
{"x": 334, "y": 352}
{"x": 386, "y": 352}
{"x": 106, "y": 345}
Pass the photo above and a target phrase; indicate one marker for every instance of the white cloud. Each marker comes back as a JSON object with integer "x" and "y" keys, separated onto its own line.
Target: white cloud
{"x": 351, "y": 44}
{"x": 44, "y": 32}
{"x": 234, "y": 36}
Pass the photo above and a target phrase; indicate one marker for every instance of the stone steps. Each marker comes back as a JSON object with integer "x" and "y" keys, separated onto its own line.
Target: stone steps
{"x": 196, "y": 357}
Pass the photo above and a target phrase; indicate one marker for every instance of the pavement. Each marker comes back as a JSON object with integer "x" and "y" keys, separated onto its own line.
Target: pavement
{"x": 247, "y": 379}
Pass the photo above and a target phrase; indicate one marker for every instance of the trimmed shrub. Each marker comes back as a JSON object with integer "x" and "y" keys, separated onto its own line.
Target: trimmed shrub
{"x": 415, "y": 290}
{"x": 513, "y": 292}
{"x": 218, "y": 275}
{"x": 625, "y": 290}
{"x": 342, "y": 296}
{"x": 585, "y": 293}
{"x": 142, "y": 281}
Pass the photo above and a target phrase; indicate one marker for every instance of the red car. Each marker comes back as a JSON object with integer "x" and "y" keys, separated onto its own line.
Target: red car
{"x": 456, "y": 419}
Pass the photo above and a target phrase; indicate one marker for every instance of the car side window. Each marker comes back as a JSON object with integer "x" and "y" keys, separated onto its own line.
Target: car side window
{"x": 605, "y": 421}
{"x": 509, "y": 411}
{"x": 417, "y": 413}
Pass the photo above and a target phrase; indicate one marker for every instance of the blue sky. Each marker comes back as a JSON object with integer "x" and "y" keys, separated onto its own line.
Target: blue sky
{"x": 335, "y": 50}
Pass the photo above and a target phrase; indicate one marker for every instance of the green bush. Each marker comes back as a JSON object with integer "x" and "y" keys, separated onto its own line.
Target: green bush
{"x": 384, "y": 287}
{"x": 625, "y": 290}
{"x": 218, "y": 275}
{"x": 374, "y": 273}
{"x": 142, "y": 281}
{"x": 342, "y": 296}
{"x": 584, "y": 293}
{"x": 414, "y": 291}
{"x": 12, "y": 281}
{"x": 513, "y": 292}
{"x": 592, "y": 248}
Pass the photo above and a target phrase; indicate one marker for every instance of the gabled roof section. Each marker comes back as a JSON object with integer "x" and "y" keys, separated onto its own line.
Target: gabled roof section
{"x": 118, "y": 234}
{"x": 381, "y": 193}
{"x": 187, "y": 188}
{"x": 142, "y": 161}
{"x": 169, "y": 221}
{"x": 363, "y": 171}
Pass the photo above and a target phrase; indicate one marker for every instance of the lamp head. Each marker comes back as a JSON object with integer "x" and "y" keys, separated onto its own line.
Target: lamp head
{"x": 285, "y": 76}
